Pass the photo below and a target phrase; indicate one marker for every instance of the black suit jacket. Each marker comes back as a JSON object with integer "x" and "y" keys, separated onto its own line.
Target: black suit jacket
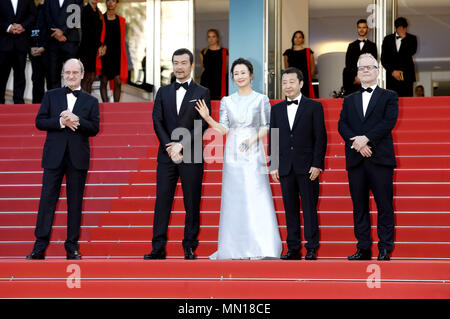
{"x": 377, "y": 125}
{"x": 25, "y": 15}
{"x": 57, "y": 17}
{"x": 87, "y": 109}
{"x": 166, "y": 120}
{"x": 351, "y": 59}
{"x": 305, "y": 145}
{"x": 401, "y": 60}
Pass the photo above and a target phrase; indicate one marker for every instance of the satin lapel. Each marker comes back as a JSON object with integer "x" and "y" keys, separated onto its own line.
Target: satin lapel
{"x": 284, "y": 115}
{"x": 78, "y": 103}
{"x": 172, "y": 100}
{"x": 9, "y": 4}
{"x": 300, "y": 110}
{"x": 187, "y": 98}
{"x": 373, "y": 102}
{"x": 62, "y": 101}
{"x": 358, "y": 105}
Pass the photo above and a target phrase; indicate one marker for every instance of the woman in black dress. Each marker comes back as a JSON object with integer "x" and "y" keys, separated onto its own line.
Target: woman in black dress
{"x": 91, "y": 29}
{"x": 303, "y": 59}
{"x": 110, "y": 52}
{"x": 214, "y": 61}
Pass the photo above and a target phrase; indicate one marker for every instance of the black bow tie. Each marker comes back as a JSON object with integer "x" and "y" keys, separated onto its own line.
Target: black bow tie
{"x": 397, "y": 37}
{"x": 74, "y": 92}
{"x": 364, "y": 41}
{"x": 292, "y": 102}
{"x": 184, "y": 85}
{"x": 368, "y": 90}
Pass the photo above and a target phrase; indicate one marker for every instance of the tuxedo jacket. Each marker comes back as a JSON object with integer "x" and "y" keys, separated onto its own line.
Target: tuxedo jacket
{"x": 166, "y": 120}
{"x": 57, "y": 17}
{"x": 401, "y": 60}
{"x": 303, "y": 146}
{"x": 351, "y": 59}
{"x": 377, "y": 125}
{"x": 58, "y": 139}
{"x": 25, "y": 15}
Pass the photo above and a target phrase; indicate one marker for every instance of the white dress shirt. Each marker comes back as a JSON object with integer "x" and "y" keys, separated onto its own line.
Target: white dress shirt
{"x": 398, "y": 42}
{"x": 181, "y": 92}
{"x": 292, "y": 110}
{"x": 61, "y": 3}
{"x": 71, "y": 99}
{"x": 361, "y": 44}
{"x": 14, "y": 4}
{"x": 366, "y": 98}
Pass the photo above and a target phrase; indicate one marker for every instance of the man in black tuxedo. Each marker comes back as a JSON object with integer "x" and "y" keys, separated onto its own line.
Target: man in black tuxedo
{"x": 397, "y": 53}
{"x": 70, "y": 117}
{"x": 61, "y": 17}
{"x": 180, "y": 129}
{"x": 16, "y": 19}
{"x": 355, "y": 49}
{"x": 301, "y": 151}
{"x": 366, "y": 123}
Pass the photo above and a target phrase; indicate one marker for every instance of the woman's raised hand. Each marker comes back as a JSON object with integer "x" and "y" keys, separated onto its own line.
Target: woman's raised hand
{"x": 202, "y": 109}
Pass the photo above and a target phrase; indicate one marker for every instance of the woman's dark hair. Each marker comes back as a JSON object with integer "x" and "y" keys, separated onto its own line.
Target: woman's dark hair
{"x": 184, "y": 51}
{"x": 293, "y": 36}
{"x": 243, "y": 61}
{"x": 293, "y": 70}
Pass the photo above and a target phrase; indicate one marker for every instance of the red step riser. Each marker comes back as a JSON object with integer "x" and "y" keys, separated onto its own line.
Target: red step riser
{"x": 211, "y": 234}
{"x": 89, "y": 204}
{"x": 342, "y": 250}
{"x": 212, "y": 219}
{"x": 325, "y": 204}
{"x": 35, "y": 191}
{"x": 325, "y": 190}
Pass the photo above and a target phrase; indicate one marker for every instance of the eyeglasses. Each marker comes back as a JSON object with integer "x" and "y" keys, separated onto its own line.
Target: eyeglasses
{"x": 367, "y": 67}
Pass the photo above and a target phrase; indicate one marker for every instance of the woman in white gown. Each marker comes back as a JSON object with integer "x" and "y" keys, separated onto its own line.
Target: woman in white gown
{"x": 248, "y": 226}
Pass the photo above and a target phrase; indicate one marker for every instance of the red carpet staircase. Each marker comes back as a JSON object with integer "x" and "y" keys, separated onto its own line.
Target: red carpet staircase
{"x": 119, "y": 203}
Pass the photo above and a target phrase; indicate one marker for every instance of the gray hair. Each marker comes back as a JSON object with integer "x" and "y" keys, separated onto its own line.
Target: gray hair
{"x": 79, "y": 62}
{"x": 367, "y": 55}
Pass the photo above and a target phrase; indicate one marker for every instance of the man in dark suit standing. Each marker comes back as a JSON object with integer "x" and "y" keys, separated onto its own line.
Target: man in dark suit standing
{"x": 63, "y": 20}
{"x": 70, "y": 117}
{"x": 16, "y": 19}
{"x": 301, "y": 151}
{"x": 366, "y": 123}
{"x": 397, "y": 53}
{"x": 180, "y": 129}
{"x": 355, "y": 49}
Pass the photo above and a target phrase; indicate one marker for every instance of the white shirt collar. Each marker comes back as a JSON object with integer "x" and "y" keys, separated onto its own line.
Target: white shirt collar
{"x": 372, "y": 86}
{"x": 188, "y": 81}
{"x": 298, "y": 97}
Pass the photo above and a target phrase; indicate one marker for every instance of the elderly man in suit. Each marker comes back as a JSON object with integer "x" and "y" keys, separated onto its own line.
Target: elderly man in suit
{"x": 16, "y": 19}
{"x": 301, "y": 153}
{"x": 70, "y": 117}
{"x": 366, "y": 122}
{"x": 397, "y": 53}
{"x": 179, "y": 155}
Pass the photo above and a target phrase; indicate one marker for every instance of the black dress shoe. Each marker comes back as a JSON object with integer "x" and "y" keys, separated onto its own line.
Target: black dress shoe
{"x": 292, "y": 255}
{"x": 188, "y": 253}
{"x": 156, "y": 255}
{"x": 36, "y": 255}
{"x": 361, "y": 254}
{"x": 311, "y": 254}
{"x": 384, "y": 255}
{"x": 73, "y": 255}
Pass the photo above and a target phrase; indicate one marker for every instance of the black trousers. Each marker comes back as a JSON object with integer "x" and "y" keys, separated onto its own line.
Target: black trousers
{"x": 38, "y": 78}
{"x": 167, "y": 175}
{"x": 362, "y": 178}
{"x": 15, "y": 60}
{"x": 403, "y": 88}
{"x": 293, "y": 185}
{"x": 51, "y": 187}
{"x": 56, "y": 54}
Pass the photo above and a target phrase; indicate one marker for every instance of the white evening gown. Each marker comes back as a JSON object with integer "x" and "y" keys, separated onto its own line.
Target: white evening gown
{"x": 248, "y": 226}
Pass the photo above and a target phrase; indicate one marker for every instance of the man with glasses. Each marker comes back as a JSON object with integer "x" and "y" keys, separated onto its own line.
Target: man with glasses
{"x": 366, "y": 122}
{"x": 70, "y": 117}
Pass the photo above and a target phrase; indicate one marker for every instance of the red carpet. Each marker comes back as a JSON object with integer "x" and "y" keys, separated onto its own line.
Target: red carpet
{"x": 120, "y": 195}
